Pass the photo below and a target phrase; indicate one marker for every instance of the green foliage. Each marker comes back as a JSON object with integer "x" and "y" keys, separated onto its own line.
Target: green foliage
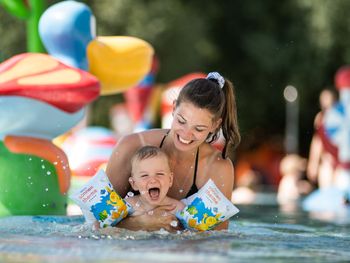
{"x": 30, "y": 11}
{"x": 12, "y": 41}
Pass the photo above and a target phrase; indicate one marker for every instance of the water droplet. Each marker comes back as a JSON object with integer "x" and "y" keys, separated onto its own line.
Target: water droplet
{"x": 29, "y": 177}
{"x": 30, "y": 158}
{"x": 150, "y": 212}
{"x": 46, "y": 189}
{"x": 181, "y": 190}
{"x": 44, "y": 205}
{"x": 43, "y": 167}
{"x": 41, "y": 160}
{"x": 55, "y": 163}
{"x": 138, "y": 204}
{"x": 173, "y": 223}
{"x": 48, "y": 172}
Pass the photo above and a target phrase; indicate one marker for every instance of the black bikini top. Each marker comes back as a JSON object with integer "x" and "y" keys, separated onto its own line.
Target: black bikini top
{"x": 194, "y": 188}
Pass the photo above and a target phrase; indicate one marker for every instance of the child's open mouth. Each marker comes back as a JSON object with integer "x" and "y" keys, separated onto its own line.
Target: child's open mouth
{"x": 154, "y": 193}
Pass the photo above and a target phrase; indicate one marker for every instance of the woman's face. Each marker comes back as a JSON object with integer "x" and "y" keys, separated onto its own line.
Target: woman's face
{"x": 191, "y": 126}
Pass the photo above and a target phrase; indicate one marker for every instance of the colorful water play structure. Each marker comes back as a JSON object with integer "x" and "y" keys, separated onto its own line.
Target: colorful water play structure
{"x": 40, "y": 98}
{"x": 43, "y": 96}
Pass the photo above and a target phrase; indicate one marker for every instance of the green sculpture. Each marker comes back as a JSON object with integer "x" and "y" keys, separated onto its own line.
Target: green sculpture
{"x": 30, "y": 186}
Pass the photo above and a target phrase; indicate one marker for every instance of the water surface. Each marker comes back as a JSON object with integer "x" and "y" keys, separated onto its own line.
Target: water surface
{"x": 259, "y": 233}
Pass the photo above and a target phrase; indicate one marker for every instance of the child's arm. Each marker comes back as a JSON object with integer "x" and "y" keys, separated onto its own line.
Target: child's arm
{"x": 160, "y": 218}
{"x": 133, "y": 202}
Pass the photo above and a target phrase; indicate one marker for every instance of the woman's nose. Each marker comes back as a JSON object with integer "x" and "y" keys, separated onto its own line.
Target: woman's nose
{"x": 187, "y": 133}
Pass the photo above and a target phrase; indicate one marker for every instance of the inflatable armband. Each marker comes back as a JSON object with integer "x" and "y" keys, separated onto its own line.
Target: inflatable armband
{"x": 206, "y": 209}
{"x": 98, "y": 201}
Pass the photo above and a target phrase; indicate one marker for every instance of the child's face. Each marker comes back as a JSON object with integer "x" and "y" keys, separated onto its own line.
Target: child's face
{"x": 152, "y": 178}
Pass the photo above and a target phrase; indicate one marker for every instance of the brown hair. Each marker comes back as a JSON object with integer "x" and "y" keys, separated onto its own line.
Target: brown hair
{"x": 221, "y": 102}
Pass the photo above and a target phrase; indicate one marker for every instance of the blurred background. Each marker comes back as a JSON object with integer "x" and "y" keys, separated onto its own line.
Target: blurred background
{"x": 275, "y": 53}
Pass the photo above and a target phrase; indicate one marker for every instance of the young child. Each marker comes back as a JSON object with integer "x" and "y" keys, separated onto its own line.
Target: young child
{"x": 151, "y": 176}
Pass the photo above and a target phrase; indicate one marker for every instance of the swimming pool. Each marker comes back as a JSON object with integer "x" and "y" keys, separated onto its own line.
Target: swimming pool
{"x": 259, "y": 233}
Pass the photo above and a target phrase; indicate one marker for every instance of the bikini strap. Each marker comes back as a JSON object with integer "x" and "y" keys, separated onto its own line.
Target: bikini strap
{"x": 195, "y": 167}
{"x": 165, "y": 135}
{"x": 194, "y": 188}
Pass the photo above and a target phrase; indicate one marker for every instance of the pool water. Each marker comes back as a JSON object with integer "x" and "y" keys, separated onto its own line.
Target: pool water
{"x": 258, "y": 233}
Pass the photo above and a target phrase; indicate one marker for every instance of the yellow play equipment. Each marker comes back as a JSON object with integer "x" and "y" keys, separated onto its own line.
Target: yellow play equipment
{"x": 119, "y": 62}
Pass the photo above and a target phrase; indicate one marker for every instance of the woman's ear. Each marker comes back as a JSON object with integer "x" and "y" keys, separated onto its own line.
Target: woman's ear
{"x": 174, "y": 107}
{"x": 132, "y": 183}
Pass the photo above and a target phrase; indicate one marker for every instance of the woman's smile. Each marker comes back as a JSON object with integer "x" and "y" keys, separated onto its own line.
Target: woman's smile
{"x": 184, "y": 141}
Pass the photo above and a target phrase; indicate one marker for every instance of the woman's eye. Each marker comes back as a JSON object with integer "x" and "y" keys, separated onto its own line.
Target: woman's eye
{"x": 144, "y": 175}
{"x": 199, "y": 130}
{"x": 161, "y": 174}
{"x": 181, "y": 121}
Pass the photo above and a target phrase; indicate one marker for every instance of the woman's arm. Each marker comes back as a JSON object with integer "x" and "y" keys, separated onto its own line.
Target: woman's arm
{"x": 222, "y": 173}
{"x": 316, "y": 149}
{"x": 160, "y": 217}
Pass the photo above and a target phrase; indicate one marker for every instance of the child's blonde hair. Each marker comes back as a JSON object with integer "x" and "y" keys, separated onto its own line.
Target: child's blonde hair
{"x": 148, "y": 151}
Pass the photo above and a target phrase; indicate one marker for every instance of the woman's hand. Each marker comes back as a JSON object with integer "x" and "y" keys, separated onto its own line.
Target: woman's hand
{"x": 161, "y": 217}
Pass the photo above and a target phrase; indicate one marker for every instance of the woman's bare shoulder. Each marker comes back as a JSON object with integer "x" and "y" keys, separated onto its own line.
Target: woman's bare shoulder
{"x": 212, "y": 155}
{"x": 217, "y": 168}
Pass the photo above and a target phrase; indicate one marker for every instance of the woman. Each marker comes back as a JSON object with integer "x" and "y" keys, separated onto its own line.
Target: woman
{"x": 203, "y": 107}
